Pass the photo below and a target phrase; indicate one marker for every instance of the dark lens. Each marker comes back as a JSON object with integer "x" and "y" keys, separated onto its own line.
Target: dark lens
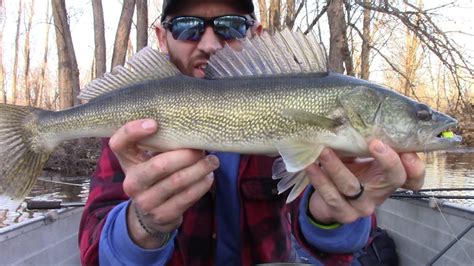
{"x": 423, "y": 112}
{"x": 231, "y": 27}
{"x": 187, "y": 28}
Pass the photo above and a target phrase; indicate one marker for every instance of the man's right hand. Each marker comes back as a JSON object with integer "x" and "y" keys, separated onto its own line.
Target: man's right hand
{"x": 161, "y": 187}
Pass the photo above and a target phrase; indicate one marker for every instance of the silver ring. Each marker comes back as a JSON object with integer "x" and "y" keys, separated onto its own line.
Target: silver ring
{"x": 356, "y": 196}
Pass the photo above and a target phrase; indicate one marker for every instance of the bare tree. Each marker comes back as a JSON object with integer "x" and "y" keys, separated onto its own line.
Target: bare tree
{"x": 41, "y": 94}
{"x": 274, "y": 18}
{"x": 67, "y": 64}
{"x": 420, "y": 22}
{"x": 412, "y": 63}
{"x": 365, "y": 52}
{"x": 130, "y": 50}
{"x": 290, "y": 13}
{"x": 3, "y": 93}
{"x": 142, "y": 24}
{"x": 15, "y": 60}
{"x": 338, "y": 50}
{"x": 262, "y": 7}
{"x": 26, "y": 50}
{"x": 316, "y": 19}
{"x": 99, "y": 39}
{"x": 123, "y": 33}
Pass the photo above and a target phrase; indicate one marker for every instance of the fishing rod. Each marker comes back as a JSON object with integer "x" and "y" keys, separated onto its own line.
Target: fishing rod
{"x": 422, "y": 193}
{"x": 422, "y": 196}
{"x": 445, "y": 189}
{"x": 45, "y": 205}
{"x": 48, "y": 204}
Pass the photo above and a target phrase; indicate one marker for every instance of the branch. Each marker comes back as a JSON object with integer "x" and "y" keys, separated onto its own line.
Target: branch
{"x": 421, "y": 24}
{"x": 395, "y": 68}
{"x": 316, "y": 19}
{"x": 300, "y": 7}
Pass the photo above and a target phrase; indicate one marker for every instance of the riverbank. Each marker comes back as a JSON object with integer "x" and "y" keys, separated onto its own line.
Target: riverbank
{"x": 466, "y": 124}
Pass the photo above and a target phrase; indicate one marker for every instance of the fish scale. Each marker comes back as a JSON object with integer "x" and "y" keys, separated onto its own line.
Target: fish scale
{"x": 294, "y": 110}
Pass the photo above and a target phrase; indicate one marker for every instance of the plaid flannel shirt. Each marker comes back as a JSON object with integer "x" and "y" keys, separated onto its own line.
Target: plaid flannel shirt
{"x": 266, "y": 221}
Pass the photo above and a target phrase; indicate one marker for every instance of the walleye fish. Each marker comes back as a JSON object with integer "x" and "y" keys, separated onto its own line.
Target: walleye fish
{"x": 275, "y": 97}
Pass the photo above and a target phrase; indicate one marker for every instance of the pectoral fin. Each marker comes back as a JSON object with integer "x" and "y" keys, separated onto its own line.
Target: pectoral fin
{"x": 298, "y": 154}
{"x": 295, "y": 157}
{"x": 311, "y": 118}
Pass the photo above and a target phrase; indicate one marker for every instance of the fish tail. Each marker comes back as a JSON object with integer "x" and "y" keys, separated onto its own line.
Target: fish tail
{"x": 21, "y": 159}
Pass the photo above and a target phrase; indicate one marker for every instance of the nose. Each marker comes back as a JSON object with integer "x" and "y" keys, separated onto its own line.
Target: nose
{"x": 210, "y": 42}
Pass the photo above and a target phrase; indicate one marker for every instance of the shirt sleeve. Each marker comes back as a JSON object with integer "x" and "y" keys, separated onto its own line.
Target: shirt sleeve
{"x": 117, "y": 248}
{"x": 106, "y": 191}
{"x": 346, "y": 238}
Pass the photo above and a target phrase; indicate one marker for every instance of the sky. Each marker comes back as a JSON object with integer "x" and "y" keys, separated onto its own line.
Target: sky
{"x": 453, "y": 20}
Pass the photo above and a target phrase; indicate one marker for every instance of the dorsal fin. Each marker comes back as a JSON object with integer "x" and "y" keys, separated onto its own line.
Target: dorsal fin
{"x": 284, "y": 52}
{"x": 145, "y": 65}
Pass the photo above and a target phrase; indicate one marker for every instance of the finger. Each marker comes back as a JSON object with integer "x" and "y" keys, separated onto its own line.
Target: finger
{"x": 345, "y": 181}
{"x": 393, "y": 171}
{"x": 415, "y": 169}
{"x": 337, "y": 206}
{"x": 174, "y": 207}
{"x": 142, "y": 176}
{"x": 124, "y": 141}
{"x": 177, "y": 182}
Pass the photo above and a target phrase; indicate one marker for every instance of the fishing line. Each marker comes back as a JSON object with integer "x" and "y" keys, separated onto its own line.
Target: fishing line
{"x": 452, "y": 231}
{"x": 61, "y": 182}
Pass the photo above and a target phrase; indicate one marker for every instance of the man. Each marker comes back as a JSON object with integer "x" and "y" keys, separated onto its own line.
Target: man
{"x": 186, "y": 207}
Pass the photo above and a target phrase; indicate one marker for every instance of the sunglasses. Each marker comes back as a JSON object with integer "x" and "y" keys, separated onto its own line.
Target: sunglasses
{"x": 187, "y": 28}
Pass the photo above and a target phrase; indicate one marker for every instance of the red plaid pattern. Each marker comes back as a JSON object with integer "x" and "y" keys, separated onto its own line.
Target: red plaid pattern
{"x": 266, "y": 222}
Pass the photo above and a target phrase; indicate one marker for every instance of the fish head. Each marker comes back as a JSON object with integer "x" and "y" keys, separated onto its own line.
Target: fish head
{"x": 401, "y": 122}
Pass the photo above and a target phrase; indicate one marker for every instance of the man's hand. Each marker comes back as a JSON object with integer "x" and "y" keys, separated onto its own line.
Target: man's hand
{"x": 334, "y": 180}
{"x": 161, "y": 187}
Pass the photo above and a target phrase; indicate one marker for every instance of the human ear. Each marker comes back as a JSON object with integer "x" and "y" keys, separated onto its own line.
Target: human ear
{"x": 161, "y": 35}
{"x": 258, "y": 28}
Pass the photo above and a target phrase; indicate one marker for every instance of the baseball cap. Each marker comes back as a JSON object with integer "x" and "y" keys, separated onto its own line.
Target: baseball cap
{"x": 170, "y": 6}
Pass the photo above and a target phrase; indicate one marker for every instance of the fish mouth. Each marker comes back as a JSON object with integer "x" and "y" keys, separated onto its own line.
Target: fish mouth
{"x": 445, "y": 134}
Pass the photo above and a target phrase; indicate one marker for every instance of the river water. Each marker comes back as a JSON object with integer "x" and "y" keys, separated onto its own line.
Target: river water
{"x": 446, "y": 169}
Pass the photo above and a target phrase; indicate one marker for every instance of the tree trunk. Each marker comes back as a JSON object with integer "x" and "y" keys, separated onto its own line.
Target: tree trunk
{"x": 290, "y": 14}
{"x": 15, "y": 60}
{"x": 275, "y": 16}
{"x": 338, "y": 38}
{"x": 67, "y": 65}
{"x": 99, "y": 39}
{"x": 142, "y": 24}
{"x": 43, "y": 97}
{"x": 262, "y": 7}
{"x": 3, "y": 93}
{"x": 27, "y": 54}
{"x": 365, "y": 53}
{"x": 412, "y": 61}
{"x": 123, "y": 32}
{"x": 129, "y": 49}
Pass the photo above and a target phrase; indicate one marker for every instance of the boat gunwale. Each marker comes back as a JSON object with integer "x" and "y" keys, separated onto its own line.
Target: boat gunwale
{"x": 17, "y": 229}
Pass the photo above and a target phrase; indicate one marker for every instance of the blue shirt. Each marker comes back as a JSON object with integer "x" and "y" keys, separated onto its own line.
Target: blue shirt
{"x": 116, "y": 246}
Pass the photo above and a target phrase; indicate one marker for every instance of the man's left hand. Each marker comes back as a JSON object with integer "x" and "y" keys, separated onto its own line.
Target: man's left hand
{"x": 336, "y": 181}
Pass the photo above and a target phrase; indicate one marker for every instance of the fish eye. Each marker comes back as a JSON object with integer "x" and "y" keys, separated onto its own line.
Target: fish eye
{"x": 423, "y": 112}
